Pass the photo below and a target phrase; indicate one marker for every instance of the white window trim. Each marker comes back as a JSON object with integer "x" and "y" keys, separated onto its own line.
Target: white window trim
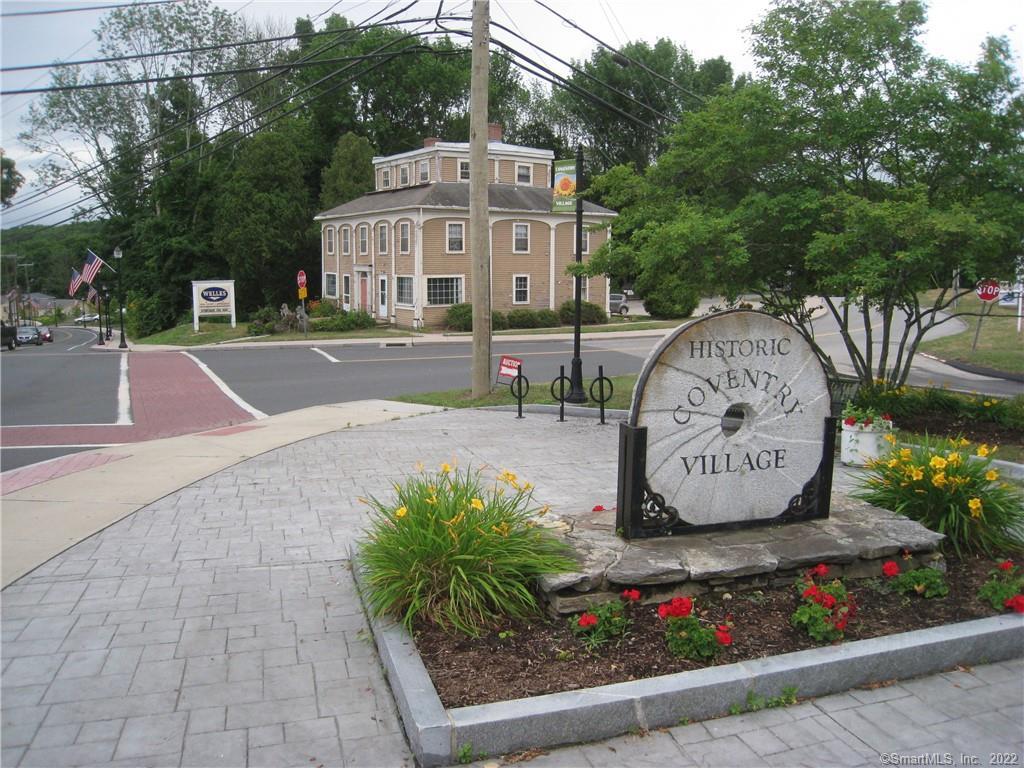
{"x": 346, "y": 295}
{"x": 364, "y": 239}
{"x": 528, "y": 166}
{"x": 404, "y": 226}
{"x": 329, "y": 240}
{"x": 412, "y": 281}
{"x": 514, "y": 238}
{"x": 528, "y": 281}
{"x": 586, "y": 240}
{"x": 346, "y": 240}
{"x": 448, "y": 240}
{"x": 461, "y": 163}
{"x": 584, "y": 289}
{"x": 382, "y": 243}
{"x": 327, "y": 292}
{"x": 408, "y": 175}
{"x": 428, "y": 278}
{"x": 424, "y": 165}
{"x": 385, "y": 178}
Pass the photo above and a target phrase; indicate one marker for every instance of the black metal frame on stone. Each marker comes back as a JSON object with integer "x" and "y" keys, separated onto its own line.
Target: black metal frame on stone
{"x": 641, "y": 511}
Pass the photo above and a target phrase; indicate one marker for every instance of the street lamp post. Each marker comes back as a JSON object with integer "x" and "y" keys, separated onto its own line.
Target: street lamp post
{"x": 577, "y": 394}
{"x": 106, "y": 300}
{"x": 99, "y": 320}
{"x": 120, "y": 296}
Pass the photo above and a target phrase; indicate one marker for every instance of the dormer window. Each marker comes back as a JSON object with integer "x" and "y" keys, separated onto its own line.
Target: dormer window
{"x": 424, "y": 171}
{"x": 463, "y": 170}
{"x": 385, "y": 178}
{"x": 524, "y": 173}
{"x": 403, "y": 176}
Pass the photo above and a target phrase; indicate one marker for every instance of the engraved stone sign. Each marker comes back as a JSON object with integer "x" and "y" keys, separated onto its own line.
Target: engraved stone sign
{"x": 734, "y": 407}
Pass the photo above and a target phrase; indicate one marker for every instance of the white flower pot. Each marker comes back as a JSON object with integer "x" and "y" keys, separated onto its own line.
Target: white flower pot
{"x": 861, "y": 444}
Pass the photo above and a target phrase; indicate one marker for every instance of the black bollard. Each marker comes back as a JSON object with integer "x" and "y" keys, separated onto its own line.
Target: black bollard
{"x": 516, "y": 387}
{"x": 600, "y": 397}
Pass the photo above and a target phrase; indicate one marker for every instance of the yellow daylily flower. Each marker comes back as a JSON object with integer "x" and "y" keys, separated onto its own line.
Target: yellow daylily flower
{"x": 507, "y": 477}
{"x": 906, "y": 454}
{"x": 937, "y": 462}
{"x": 954, "y": 459}
{"x": 992, "y": 475}
{"x": 890, "y": 438}
{"x": 476, "y": 504}
{"x": 964, "y": 442}
{"x": 917, "y": 473}
{"x": 983, "y": 450}
{"x": 544, "y": 510}
{"x": 892, "y": 463}
{"x": 975, "y": 507}
{"x": 939, "y": 479}
{"x": 401, "y": 512}
{"x": 446, "y": 468}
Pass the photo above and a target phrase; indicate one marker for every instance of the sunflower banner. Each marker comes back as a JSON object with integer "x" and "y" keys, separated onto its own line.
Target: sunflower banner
{"x": 564, "y": 198}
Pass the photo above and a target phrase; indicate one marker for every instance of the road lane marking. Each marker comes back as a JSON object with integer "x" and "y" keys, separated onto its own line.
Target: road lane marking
{"x": 321, "y": 352}
{"x": 89, "y": 341}
{"x": 255, "y": 412}
{"x": 124, "y": 396}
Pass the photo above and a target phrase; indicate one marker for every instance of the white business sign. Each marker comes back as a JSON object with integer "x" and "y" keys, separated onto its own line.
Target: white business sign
{"x": 212, "y": 298}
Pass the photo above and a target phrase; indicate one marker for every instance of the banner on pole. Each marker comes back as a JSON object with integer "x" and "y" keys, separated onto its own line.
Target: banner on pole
{"x": 564, "y": 198}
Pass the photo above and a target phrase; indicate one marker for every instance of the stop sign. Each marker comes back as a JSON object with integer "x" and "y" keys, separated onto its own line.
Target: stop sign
{"x": 987, "y": 290}
{"x": 302, "y": 280}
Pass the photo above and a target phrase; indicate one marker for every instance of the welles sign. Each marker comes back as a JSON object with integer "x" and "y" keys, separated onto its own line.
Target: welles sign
{"x": 213, "y": 297}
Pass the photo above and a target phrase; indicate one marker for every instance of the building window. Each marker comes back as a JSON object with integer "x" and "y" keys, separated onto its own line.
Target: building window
{"x": 424, "y": 171}
{"x": 382, "y": 238}
{"x": 524, "y": 173}
{"x": 586, "y": 240}
{"x": 403, "y": 290}
{"x": 364, "y": 239}
{"x": 403, "y": 176}
{"x": 584, "y": 289}
{"x": 329, "y": 239}
{"x": 463, "y": 170}
{"x": 520, "y": 289}
{"x": 456, "y": 237}
{"x": 346, "y": 290}
{"x": 520, "y": 238}
{"x": 331, "y": 285}
{"x": 385, "y": 178}
{"x": 346, "y": 241}
{"x": 444, "y": 291}
{"x": 403, "y": 237}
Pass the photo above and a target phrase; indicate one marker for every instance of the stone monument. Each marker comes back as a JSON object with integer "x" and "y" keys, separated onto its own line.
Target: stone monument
{"x": 729, "y": 426}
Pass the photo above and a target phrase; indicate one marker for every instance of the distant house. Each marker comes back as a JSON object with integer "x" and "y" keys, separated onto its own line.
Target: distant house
{"x": 402, "y": 252}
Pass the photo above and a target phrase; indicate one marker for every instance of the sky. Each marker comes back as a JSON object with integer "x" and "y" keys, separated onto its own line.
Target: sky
{"x": 707, "y": 28}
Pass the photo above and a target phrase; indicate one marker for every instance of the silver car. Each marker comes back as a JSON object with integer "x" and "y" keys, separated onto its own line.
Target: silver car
{"x": 28, "y": 334}
{"x": 617, "y": 304}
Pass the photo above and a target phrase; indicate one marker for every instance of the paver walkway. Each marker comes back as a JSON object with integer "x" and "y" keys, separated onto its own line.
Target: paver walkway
{"x": 219, "y": 626}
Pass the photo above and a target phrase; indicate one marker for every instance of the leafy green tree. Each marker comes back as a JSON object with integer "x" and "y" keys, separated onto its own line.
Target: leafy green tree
{"x": 10, "y": 179}
{"x": 858, "y": 171}
{"x": 350, "y": 172}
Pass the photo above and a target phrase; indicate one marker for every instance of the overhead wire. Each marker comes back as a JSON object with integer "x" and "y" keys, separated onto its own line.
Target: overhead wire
{"x": 80, "y": 8}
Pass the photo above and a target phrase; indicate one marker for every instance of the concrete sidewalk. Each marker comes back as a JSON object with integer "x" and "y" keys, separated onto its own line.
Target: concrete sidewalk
{"x": 207, "y": 616}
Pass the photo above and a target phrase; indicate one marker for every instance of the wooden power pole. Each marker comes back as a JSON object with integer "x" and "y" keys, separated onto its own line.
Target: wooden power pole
{"x": 479, "y": 216}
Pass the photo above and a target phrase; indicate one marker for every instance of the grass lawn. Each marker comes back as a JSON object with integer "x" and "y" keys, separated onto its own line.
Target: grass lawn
{"x": 999, "y": 345}
{"x": 540, "y": 393}
{"x": 214, "y": 333}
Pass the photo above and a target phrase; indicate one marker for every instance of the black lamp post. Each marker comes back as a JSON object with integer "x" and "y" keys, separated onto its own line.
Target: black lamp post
{"x": 120, "y": 296}
{"x": 106, "y": 300}
{"x": 99, "y": 320}
{"x": 577, "y": 394}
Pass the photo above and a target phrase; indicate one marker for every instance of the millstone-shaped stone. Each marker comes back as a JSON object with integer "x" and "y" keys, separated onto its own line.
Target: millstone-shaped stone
{"x": 734, "y": 406}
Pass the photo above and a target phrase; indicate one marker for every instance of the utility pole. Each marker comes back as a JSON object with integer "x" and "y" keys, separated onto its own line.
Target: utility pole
{"x": 479, "y": 214}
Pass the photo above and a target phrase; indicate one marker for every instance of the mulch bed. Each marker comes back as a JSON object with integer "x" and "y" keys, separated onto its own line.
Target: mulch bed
{"x": 543, "y": 656}
{"x": 959, "y": 425}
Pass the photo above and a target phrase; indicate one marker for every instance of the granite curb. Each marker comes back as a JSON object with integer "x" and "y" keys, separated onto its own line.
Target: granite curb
{"x": 436, "y": 734}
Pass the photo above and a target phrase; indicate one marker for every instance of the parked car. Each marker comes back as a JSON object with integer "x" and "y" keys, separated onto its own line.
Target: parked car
{"x": 46, "y": 333}
{"x": 28, "y": 334}
{"x": 86, "y": 319}
{"x": 618, "y": 304}
{"x": 10, "y": 335}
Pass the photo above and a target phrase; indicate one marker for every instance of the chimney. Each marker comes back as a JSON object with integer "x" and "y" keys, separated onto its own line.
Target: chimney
{"x": 431, "y": 141}
{"x": 494, "y": 132}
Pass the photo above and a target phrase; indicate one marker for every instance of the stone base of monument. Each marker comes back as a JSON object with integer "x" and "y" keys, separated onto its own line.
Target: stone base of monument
{"x": 853, "y": 542}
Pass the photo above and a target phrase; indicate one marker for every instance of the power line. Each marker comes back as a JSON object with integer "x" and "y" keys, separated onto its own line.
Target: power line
{"x": 86, "y": 8}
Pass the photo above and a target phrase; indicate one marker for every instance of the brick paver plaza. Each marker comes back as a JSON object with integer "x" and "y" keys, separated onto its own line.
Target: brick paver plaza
{"x": 220, "y": 626}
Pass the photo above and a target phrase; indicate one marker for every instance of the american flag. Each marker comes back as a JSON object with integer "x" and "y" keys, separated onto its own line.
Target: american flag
{"x": 76, "y": 282}
{"x": 92, "y": 296}
{"x": 92, "y": 266}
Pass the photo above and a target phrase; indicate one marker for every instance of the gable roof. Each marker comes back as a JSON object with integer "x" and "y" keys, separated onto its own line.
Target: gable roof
{"x": 454, "y": 194}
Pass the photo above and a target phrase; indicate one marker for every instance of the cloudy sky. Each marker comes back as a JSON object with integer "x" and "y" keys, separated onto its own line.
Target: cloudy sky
{"x": 707, "y": 28}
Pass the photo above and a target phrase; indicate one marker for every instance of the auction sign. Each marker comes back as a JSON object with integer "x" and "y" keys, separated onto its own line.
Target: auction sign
{"x": 212, "y": 298}
{"x": 564, "y": 198}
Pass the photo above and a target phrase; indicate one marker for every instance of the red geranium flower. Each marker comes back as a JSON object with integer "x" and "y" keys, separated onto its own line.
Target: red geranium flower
{"x": 886, "y": 417}
{"x": 890, "y": 568}
{"x": 819, "y": 570}
{"x": 598, "y": 508}
{"x": 827, "y": 600}
{"x": 677, "y": 608}
{"x": 1006, "y": 565}
{"x": 631, "y": 595}
{"x": 812, "y": 592}
{"x": 841, "y": 624}
{"x": 1015, "y": 603}
{"x": 722, "y": 636}
{"x": 849, "y": 421}
{"x": 868, "y": 421}
{"x": 587, "y": 620}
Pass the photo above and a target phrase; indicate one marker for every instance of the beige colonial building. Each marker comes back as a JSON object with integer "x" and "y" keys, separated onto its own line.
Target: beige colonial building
{"x": 402, "y": 252}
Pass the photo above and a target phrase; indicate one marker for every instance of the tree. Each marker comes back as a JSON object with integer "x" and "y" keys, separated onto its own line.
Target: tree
{"x": 350, "y": 172}
{"x": 11, "y": 179}
{"x": 859, "y": 171}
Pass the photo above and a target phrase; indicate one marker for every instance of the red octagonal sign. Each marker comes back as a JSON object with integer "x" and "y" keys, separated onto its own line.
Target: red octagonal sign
{"x": 987, "y": 290}
{"x": 302, "y": 280}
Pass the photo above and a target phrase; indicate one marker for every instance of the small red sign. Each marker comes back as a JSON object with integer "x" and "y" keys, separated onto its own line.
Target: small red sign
{"x": 302, "y": 278}
{"x": 509, "y": 367}
{"x": 987, "y": 290}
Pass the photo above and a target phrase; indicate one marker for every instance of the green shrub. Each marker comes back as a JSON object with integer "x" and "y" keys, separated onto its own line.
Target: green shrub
{"x": 522, "y": 318}
{"x": 825, "y": 608}
{"x": 688, "y": 636}
{"x": 459, "y": 317}
{"x": 927, "y": 582}
{"x": 343, "y": 321}
{"x": 1004, "y": 582}
{"x": 937, "y": 485}
{"x": 546, "y": 318}
{"x": 458, "y": 554}
{"x": 149, "y": 314}
{"x": 666, "y": 296}
{"x": 499, "y": 322}
{"x": 590, "y": 314}
{"x": 907, "y": 402}
{"x": 325, "y": 308}
{"x": 601, "y": 623}
{"x": 263, "y": 321}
